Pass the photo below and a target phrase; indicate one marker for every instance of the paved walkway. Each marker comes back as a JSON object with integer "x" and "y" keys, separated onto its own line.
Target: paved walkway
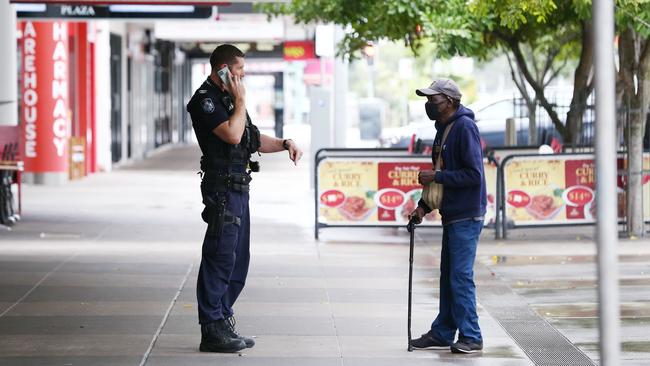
{"x": 102, "y": 272}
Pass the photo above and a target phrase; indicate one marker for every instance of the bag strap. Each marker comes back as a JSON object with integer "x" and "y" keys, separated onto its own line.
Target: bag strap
{"x": 442, "y": 143}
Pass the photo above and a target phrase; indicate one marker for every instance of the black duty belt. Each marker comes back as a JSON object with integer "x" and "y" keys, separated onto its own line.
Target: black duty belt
{"x": 208, "y": 163}
{"x": 220, "y": 181}
{"x": 211, "y": 163}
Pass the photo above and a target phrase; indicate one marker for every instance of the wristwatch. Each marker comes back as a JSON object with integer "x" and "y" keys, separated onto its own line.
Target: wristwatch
{"x": 285, "y": 143}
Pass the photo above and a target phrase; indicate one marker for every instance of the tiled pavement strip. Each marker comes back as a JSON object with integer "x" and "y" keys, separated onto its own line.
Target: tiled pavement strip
{"x": 90, "y": 273}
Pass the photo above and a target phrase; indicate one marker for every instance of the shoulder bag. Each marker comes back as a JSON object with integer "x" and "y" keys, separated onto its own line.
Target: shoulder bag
{"x": 432, "y": 192}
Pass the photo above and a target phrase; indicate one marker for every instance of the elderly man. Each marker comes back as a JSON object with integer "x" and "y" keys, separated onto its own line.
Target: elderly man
{"x": 462, "y": 210}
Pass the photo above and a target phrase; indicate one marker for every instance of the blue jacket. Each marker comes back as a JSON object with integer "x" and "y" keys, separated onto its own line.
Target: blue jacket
{"x": 462, "y": 175}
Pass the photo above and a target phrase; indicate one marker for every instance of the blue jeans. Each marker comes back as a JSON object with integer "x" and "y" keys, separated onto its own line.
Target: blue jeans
{"x": 457, "y": 289}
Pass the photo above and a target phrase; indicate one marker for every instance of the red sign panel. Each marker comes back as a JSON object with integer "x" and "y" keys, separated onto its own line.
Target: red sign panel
{"x": 299, "y": 50}
{"x": 580, "y": 185}
{"x": 399, "y": 190}
{"x": 45, "y": 111}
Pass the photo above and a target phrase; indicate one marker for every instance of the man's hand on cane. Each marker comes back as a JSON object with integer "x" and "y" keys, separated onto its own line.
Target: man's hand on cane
{"x": 417, "y": 215}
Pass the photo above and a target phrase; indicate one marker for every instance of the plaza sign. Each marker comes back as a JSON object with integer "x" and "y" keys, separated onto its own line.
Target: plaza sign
{"x": 80, "y": 11}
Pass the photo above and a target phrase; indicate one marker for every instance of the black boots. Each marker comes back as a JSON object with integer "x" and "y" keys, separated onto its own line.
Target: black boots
{"x": 230, "y": 321}
{"x": 217, "y": 337}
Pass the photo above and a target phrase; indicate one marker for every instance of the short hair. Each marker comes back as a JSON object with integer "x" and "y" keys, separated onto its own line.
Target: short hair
{"x": 224, "y": 54}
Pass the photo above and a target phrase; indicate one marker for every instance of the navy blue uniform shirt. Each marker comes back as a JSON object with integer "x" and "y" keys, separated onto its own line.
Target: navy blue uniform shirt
{"x": 209, "y": 107}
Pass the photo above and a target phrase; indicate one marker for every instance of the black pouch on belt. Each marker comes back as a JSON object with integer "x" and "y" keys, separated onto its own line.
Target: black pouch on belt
{"x": 240, "y": 182}
{"x": 220, "y": 182}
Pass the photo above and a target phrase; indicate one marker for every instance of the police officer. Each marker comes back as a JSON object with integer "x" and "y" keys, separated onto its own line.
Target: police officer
{"x": 227, "y": 139}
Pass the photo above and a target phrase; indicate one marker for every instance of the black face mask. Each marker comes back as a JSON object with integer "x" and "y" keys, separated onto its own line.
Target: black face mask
{"x": 432, "y": 111}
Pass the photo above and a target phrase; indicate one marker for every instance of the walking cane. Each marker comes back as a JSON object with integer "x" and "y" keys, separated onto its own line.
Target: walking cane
{"x": 411, "y": 229}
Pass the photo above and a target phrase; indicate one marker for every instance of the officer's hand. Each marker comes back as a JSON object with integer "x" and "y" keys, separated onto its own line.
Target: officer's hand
{"x": 237, "y": 89}
{"x": 426, "y": 176}
{"x": 417, "y": 215}
{"x": 294, "y": 152}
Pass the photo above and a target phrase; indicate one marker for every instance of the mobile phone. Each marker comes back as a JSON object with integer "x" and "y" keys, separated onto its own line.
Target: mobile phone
{"x": 224, "y": 75}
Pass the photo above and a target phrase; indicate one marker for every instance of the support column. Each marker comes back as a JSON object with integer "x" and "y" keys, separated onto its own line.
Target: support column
{"x": 45, "y": 113}
{"x": 92, "y": 135}
{"x": 84, "y": 93}
{"x": 609, "y": 311}
{"x": 8, "y": 68}
{"x": 340, "y": 90}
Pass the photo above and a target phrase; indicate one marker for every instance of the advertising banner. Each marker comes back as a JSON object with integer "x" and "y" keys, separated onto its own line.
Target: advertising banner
{"x": 378, "y": 191}
{"x": 558, "y": 190}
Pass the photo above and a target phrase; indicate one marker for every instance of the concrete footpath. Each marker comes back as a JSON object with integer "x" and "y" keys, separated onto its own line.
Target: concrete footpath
{"x": 102, "y": 271}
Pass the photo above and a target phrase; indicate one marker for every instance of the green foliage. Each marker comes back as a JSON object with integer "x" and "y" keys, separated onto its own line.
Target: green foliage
{"x": 512, "y": 14}
{"x": 476, "y": 28}
{"x": 472, "y": 28}
{"x": 367, "y": 20}
{"x": 458, "y": 27}
{"x": 456, "y": 31}
{"x": 635, "y": 14}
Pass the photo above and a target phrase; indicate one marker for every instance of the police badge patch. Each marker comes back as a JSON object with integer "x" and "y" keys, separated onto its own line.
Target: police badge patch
{"x": 207, "y": 105}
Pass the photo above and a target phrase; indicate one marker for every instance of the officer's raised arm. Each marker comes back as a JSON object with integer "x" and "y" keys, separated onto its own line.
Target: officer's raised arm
{"x": 232, "y": 130}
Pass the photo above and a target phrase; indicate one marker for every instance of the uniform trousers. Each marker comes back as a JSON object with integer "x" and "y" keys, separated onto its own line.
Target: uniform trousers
{"x": 224, "y": 263}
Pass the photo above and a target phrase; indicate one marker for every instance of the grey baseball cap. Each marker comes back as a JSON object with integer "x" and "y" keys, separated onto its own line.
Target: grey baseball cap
{"x": 441, "y": 86}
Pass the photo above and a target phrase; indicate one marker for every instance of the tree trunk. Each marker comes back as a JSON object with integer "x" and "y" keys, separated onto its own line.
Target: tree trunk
{"x": 532, "y": 123}
{"x": 638, "y": 115}
{"x": 625, "y": 79}
{"x": 621, "y": 124}
{"x": 538, "y": 87}
{"x": 635, "y": 165}
{"x": 581, "y": 86}
{"x": 531, "y": 103}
